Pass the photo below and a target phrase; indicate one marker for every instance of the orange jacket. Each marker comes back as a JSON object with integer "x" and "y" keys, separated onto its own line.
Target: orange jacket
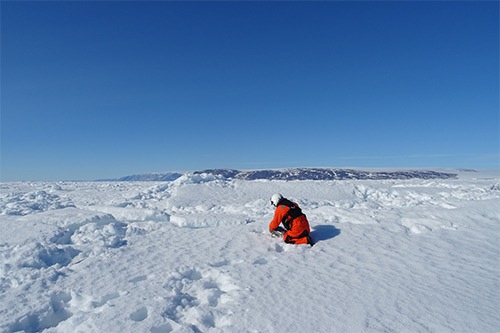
{"x": 298, "y": 225}
{"x": 279, "y": 214}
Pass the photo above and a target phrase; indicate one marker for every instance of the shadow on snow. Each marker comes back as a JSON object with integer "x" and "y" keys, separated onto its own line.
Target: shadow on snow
{"x": 324, "y": 232}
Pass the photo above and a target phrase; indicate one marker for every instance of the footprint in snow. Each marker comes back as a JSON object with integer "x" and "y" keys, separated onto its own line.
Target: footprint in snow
{"x": 261, "y": 261}
{"x": 139, "y": 314}
{"x": 138, "y": 279}
{"x": 222, "y": 263}
{"x": 55, "y": 312}
{"x": 278, "y": 248}
{"x": 200, "y": 299}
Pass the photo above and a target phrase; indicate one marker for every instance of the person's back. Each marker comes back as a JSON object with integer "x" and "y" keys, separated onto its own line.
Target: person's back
{"x": 294, "y": 221}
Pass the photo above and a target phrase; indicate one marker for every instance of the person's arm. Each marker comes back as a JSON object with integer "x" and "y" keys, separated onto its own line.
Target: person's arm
{"x": 278, "y": 215}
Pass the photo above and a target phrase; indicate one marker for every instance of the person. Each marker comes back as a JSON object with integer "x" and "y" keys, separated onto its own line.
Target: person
{"x": 296, "y": 227}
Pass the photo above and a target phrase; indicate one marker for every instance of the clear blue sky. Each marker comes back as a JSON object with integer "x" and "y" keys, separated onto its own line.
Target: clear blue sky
{"x": 95, "y": 89}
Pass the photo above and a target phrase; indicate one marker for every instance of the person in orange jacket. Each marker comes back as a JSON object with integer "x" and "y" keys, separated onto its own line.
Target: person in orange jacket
{"x": 288, "y": 213}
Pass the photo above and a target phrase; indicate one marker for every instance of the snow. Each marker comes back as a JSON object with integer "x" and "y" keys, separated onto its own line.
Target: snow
{"x": 194, "y": 255}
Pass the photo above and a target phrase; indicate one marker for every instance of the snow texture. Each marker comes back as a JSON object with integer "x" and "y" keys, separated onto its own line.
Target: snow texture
{"x": 194, "y": 255}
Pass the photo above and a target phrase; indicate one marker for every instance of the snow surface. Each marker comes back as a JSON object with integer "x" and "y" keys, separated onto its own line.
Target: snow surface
{"x": 194, "y": 255}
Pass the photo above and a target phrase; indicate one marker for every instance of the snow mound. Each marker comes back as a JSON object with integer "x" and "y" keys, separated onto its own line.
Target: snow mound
{"x": 209, "y": 220}
{"x": 198, "y": 178}
{"x": 31, "y": 202}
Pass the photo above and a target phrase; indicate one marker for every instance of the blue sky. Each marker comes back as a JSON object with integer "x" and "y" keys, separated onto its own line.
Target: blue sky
{"x": 95, "y": 90}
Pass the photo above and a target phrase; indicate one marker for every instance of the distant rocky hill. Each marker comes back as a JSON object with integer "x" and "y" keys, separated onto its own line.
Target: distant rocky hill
{"x": 299, "y": 174}
{"x": 168, "y": 176}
